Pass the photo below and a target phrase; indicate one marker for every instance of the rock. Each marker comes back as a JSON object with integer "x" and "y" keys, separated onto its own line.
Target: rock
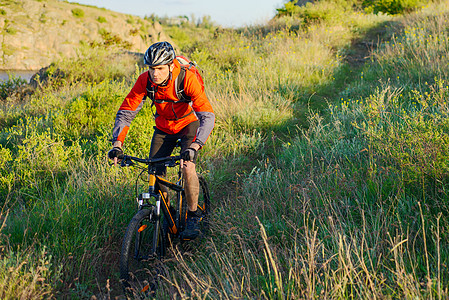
{"x": 34, "y": 35}
{"x": 42, "y": 76}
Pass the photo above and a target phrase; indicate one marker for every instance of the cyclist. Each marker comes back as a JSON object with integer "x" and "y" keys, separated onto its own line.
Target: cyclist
{"x": 190, "y": 121}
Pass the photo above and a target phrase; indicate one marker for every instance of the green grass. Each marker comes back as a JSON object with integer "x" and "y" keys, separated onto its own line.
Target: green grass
{"x": 328, "y": 172}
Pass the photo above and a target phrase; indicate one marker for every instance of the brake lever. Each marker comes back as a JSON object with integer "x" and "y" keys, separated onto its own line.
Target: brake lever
{"x": 126, "y": 162}
{"x": 170, "y": 163}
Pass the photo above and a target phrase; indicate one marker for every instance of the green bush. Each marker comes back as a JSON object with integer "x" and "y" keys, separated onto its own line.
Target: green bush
{"x": 393, "y": 7}
{"x": 78, "y": 12}
{"x": 10, "y": 86}
{"x": 289, "y": 9}
{"x": 43, "y": 18}
{"x": 311, "y": 14}
{"x": 101, "y": 19}
{"x": 111, "y": 39}
{"x": 130, "y": 20}
{"x": 10, "y": 30}
{"x": 319, "y": 11}
{"x": 6, "y": 176}
{"x": 315, "y": 12}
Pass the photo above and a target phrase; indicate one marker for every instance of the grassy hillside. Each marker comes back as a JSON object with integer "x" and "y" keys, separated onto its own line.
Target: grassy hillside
{"x": 327, "y": 165}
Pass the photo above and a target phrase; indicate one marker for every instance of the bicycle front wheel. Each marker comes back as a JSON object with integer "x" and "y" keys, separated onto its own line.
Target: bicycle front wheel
{"x": 142, "y": 245}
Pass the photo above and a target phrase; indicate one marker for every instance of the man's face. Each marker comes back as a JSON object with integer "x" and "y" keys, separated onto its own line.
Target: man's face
{"x": 159, "y": 74}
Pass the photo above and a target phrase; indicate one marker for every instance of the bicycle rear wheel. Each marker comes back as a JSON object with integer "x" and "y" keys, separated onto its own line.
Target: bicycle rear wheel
{"x": 137, "y": 255}
{"x": 204, "y": 205}
{"x": 204, "y": 196}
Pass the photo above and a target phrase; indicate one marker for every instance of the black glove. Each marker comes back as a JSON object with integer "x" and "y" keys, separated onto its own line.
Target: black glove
{"x": 189, "y": 154}
{"x": 115, "y": 152}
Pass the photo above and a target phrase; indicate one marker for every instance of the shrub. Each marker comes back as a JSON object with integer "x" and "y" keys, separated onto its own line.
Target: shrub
{"x": 130, "y": 20}
{"x": 10, "y": 86}
{"x": 43, "y": 18}
{"x": 134, "y": 32}
{"x": 78, "y": 12}
{"x": 101, "y": 19}
{"x": 320, "y": 11}
{"x": 10, "y": 30}
{"x": 312, "y": 11}
{"x": 289, "y": 9}
{"x": 392, "y": 7}
{"x": 6, "y": 176}
{"x": 110, "y": 39}
{"x": 8, "y": 50}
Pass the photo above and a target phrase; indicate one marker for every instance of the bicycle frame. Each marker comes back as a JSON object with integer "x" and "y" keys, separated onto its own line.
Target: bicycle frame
{"x": 161, "y": 204}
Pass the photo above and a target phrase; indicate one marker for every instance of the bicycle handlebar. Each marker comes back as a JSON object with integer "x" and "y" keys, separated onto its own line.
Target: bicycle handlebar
{"x": 169, "y": 161}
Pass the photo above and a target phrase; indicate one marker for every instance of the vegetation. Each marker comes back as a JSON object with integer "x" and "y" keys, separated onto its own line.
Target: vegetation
{"x": 328, "y": 171}
{"x": 10, "y": 86}
{"x": 325, "y": 9}
{"x": 8, "y": 28}
{"x": 101, "y": 19}
{"x": 78, "y": 12}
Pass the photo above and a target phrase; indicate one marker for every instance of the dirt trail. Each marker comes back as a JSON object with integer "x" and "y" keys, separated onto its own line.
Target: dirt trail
{"x": 360, "y": 53}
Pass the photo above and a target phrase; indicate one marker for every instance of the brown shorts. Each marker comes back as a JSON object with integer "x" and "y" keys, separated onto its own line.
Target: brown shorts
{"x": 162, "y": 144}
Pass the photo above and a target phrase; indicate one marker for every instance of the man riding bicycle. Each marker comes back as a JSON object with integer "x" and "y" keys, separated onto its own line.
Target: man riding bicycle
{"x": 190, "y": 119}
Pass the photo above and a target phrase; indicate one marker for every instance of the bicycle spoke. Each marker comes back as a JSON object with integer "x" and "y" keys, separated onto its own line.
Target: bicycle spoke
{"x": 138, "y": 254}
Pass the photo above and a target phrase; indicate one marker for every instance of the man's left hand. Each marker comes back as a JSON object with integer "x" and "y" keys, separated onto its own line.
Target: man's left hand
{"x": 189, "y": 154}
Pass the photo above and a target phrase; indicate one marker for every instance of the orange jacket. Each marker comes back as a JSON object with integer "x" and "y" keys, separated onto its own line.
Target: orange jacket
{"x": 170, "y": 117}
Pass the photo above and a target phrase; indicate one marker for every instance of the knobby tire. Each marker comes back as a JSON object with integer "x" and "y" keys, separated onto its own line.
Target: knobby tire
{"x": 137, "y": 272}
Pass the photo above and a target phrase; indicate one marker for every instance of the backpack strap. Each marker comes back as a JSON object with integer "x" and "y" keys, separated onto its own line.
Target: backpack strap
{"x": 151, "y": 90}
{"x": 179, "y": 84}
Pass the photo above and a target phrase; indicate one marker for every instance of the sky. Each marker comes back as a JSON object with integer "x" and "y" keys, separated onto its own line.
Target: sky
{"x": 227, "y": 13}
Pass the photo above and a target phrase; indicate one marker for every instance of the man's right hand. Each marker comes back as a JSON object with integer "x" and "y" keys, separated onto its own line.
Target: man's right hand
{"x": 115, "y": 154}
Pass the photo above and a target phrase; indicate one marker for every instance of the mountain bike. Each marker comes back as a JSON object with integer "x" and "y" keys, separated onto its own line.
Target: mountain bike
{"x": 156, "y": 222}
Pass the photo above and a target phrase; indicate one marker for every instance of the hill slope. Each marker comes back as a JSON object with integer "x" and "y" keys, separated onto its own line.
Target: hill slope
{"x": 35, "y": 33}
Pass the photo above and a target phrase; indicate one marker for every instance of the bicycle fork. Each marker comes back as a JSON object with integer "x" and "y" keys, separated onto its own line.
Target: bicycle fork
{"x": 155, "y": 216}
{"x": 160, "y": 206}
